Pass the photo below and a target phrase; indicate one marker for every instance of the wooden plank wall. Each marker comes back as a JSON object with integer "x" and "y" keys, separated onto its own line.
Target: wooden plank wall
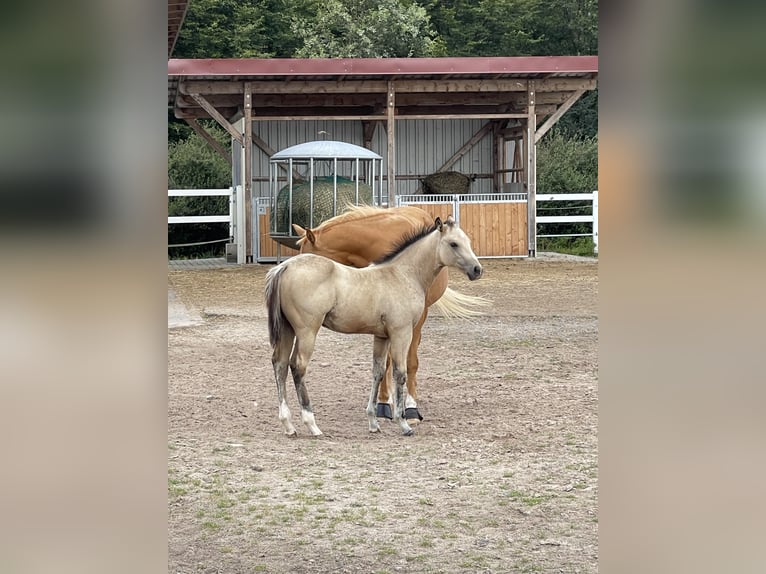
{"x": 495, "y": 229}
{"x": 268, "y": 245}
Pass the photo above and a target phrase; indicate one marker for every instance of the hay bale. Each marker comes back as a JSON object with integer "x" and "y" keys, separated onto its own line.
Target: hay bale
{"x": 323, "y": 202}
{"x": 446, "y": 183}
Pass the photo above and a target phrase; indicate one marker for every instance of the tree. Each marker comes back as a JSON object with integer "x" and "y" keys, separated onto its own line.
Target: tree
{"x": 223, "y": 29}
{"x": 366, "y": 29}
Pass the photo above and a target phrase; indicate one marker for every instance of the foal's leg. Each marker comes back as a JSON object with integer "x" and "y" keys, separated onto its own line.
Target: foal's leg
{"x": 384, "y": 406}
{"x": 280, "y": 357}
{"x": 299, "y": 361}
{"x": 411, "y": 412}
{"x": 400, "y": 342}
{"x": 379, "y": 357}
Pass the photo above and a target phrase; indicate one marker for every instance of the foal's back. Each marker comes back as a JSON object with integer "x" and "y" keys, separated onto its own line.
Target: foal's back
{"x": 318, "y": 291}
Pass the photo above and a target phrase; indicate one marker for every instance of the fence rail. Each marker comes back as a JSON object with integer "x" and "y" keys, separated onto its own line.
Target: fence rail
{"x": 220, "y": 218}
{"x": 592, "y": 219}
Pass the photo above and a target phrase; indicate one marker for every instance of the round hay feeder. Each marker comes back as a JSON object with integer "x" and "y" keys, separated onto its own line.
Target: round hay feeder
{"x": 314, "y": 181}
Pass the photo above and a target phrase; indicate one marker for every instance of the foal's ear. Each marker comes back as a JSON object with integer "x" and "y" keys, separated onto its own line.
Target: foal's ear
{"x": 450, "y": 221}
{"x": 438, "y": 223}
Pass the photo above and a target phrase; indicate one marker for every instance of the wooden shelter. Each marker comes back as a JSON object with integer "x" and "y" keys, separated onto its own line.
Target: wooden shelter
{"x": 515, "y": 99}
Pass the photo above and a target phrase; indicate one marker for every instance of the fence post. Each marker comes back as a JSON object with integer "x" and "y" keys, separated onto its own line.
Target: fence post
{"x": 595, "y": 222}
{"x": 241, "y": 235}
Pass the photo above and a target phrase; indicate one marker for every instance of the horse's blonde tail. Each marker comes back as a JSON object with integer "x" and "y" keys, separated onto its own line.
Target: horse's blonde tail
{"x": 454, "y": 305}
{"x": 274, "y": 304}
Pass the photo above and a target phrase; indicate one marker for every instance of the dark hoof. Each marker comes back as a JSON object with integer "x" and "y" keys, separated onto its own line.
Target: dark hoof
{"x": 384, "y": 410}
{"x": 412, "y": 414}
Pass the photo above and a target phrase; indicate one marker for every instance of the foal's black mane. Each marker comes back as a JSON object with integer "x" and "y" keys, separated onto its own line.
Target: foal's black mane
{"x": 406, "y": 240}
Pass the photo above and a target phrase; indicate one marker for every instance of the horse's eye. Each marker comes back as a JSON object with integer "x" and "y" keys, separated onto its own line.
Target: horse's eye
{"x": 453, "y": 244}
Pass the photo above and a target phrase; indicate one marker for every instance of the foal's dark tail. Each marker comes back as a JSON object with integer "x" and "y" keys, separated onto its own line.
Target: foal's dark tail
{"x": 274, "y": 305}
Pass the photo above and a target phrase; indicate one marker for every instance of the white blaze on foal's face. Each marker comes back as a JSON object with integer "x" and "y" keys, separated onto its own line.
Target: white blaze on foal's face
{"x": 455, "y": 249}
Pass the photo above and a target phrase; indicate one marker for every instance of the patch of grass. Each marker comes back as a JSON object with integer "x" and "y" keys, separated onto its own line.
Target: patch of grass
{"x": 529, "y": 499}
{"x": 260, "y": 568}
{"x": 426, "y": 501}
{"x": 472, "y": 560}
{"x": 387, "y": 551}
{"x": 426, "y": 542}
{"x": 210, "y": 525}
{"x": 526, "y": 565}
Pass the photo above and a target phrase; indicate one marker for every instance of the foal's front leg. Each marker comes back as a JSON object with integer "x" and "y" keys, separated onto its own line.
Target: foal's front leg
{"x": 400, "y": 342}
{"x": 379, "y": 357}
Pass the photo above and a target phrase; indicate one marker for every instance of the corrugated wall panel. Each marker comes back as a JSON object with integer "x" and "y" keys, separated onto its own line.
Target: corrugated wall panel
{"x": 423, "y": 146}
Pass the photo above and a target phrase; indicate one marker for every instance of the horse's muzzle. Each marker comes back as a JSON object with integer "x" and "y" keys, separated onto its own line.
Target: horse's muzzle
{"x": 475, "y": 273}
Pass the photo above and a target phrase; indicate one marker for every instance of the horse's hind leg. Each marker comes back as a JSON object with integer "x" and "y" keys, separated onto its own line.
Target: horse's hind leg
{"x": 280, "y": 357}
{"x": 411, "y": 412}
{"x": 379, "y": 357}
{"x": 384, "y": 407}
{"x": 399, "y": 345}
{"x": 299, "y": 361}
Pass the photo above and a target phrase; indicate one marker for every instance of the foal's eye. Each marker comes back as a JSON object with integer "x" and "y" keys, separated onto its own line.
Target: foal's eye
{"x": 453, "y": 244}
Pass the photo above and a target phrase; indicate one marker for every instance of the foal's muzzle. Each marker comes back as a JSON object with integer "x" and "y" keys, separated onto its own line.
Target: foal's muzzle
{"x": 475, "y": 273}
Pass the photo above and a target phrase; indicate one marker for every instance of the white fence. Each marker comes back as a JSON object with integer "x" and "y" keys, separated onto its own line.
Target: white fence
{"x": 593, "y": 218}
{"x": 235, "y": 218}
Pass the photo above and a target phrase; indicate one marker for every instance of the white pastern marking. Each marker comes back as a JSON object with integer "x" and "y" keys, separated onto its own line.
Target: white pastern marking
{"x": 284, "y": 418}
{"x": 409, "y": 402}
{"x": 308, "y": 419}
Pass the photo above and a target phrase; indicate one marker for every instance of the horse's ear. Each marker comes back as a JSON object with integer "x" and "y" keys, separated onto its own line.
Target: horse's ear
{"x": 304, "y": 234}
{"x": 438, "y": 223}
{"x": 450, "y": 221}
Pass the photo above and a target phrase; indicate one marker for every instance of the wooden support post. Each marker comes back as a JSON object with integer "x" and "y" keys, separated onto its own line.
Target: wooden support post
{"x": 215, "y": 114}
{"x": 391, "y": 153}
{"x": 248, "y": 172}
{"x": 498, "y": 159}
{"x": 209, "y": 139}
{"x": 543, "y": 129}
{"x": 531, "y": 169}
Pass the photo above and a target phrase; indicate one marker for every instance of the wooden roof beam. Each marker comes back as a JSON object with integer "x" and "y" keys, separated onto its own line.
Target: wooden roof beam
{"x": 379, "y": 86}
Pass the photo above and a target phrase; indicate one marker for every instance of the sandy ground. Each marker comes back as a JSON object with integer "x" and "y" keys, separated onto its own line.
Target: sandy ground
{"x": 501, "y": 476}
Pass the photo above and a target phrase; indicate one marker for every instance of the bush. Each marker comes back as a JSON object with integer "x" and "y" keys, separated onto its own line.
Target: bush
{"x": 566, "y": 165}
{"x": 193, "y": 164}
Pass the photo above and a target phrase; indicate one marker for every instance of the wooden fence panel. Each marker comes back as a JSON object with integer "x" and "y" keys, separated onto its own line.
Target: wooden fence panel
{"x": 496, "y": 229}
{"x": 268, "y": 247}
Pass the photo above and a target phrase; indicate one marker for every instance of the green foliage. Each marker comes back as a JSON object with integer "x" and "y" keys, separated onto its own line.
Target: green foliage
{"x": 193, "y": 164}
{"x": 366, "y": 29}
{"x": 223, "y": 29}
{"x": 566, "y": 164}
{"x": 516, "y": 27}
{"x": 581, "y": 120}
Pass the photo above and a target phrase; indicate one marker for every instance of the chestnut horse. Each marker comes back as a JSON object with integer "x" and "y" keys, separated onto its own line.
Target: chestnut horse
{"x": 364, "y": 234}
{"x": 386, "y": 300}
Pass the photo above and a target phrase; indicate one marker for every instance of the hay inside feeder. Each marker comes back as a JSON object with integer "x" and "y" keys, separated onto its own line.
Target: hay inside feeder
{"x": 446, "y": 183}
{"x": 323, "y": 202}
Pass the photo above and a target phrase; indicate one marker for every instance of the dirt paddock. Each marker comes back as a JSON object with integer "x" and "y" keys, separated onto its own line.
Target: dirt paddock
{"x": 501, "y": 475}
